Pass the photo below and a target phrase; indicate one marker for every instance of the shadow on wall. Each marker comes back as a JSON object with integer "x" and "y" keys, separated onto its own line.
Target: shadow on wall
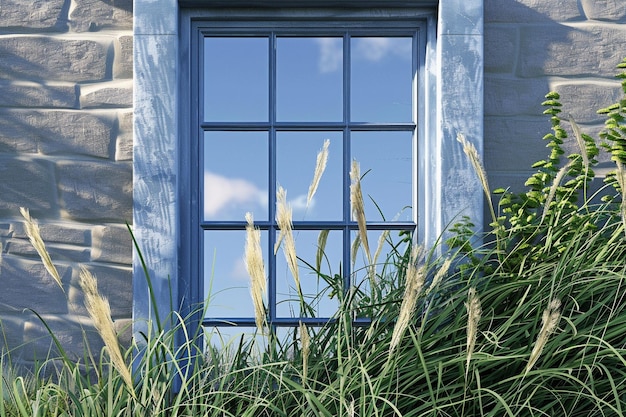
{"x": 530, "y": 51}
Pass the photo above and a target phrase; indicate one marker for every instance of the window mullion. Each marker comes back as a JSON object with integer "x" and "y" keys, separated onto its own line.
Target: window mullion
{"x": 271, "y": 294}
{"x": 346, "y": 163}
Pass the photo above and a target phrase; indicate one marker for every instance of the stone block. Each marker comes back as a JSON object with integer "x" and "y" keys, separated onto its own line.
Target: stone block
{"x": 71, "y": 332}
{"x": 27, "y": 284}
{"x": 27, "y": 94}
{"x": 94, "y": 15}
{"x": 500, "y": 48}
{"x": 124, "y": 144}
{"x": 585, "y": 50}
{"x": 613, "y": 10}
{"x": 112, "y": 243}
{"x": 65, "y": 233}
{"x": 114, "y": 284}
{"x": 532, "y": 11}
{"x": 123, "y": 62}
{"x": 514, "y": 143}
{"x": 96, "y": 190}
{"x": 27, "y": 183}
{"x": 513, "y": 96}
{"x": 107, "y": 95}
{"x": 581, "y": 99}
{"x": 12, "y": 331}
{"x": 53, "y": 59}
{"x": 56, "y": 132}
{"x": 57, "y": 252}
{"x": 38, "y": 14}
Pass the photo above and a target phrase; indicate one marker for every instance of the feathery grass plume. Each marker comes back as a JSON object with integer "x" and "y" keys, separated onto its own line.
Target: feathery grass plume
{"x": 100, "y": 312}
{"x": 473, "y": 317}
{"x": 581, "y": 142}
{"x": 256, "y": 270}
{"x": 320, "y": 167}
{"x": 306, "y": 350}
{"x": 470, "y": 150}
{"x": 381, "y": 243}
{"x": 621, "y": 180}
{"x": 555, "y": 185}
{"x": 441, "y": 272}
{"x": 415, "y": 277}
{"x": 322, "y": 238}
{"x": 32, "y": 231}
{"x": 549, "y": 321}
{"x": 358, "y": 210}
{"x": 356, "y": 244}
{"x": 283, "y": 219}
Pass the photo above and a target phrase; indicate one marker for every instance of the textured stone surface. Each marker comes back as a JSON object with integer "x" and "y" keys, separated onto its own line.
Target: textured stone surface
{"x": 114, "y": 283}
{"x": 514, "y": 142}
{"x": 38, "y": 14}
{"x": 27, "y": 183}
{"x": 27, "y": 284}
{"x": 24, "y": 94}
{"x": 526, "y": 11}
{"x": 70, "y": 331}
{"x": 613, "y": 10}
{"x": 583, "y": 98}
{"x": 96, "y": 191}
{"x": 500, "y": 48}
{"x": 112, "y": 244}
{"x": 512, "y": 96}
{"x": 52, "y": 58}
{"x": 123, "y": 63}
{"x": 589, "y": 50}
{"x": 94, "y": 15}
{"x": 56, "y": 132}
{"x": 124, "y": 144}
{"x": 107, "y": 95}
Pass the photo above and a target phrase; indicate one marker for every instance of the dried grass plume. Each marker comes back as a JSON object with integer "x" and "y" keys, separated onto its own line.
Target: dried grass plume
{"x": 320, "y": 167}
{"x": 549, "y": 322}
{"x": 32, "y": 231}
{"x": 473, "y": 317}
{"x": 256, "y": 270}
{"x": 100, "y": 312}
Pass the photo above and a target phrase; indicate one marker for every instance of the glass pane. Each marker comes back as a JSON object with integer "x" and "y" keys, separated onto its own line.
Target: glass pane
{"x": 317, "y": 288}
{"x": 223, "y": 343}
{"x": 386, "y": 166}
{"x": 226, "y": 279}
{"x": 309, "y": 74}
{"x": 236, "y": 79}
{"x": 376, "y": 280}
{"x": 235, "y": 175}
{"x": 296, "y": 160}
{"x": 382, "y": 74}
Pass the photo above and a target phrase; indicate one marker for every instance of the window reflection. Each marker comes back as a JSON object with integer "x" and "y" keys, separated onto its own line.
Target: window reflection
{"x": 309, "y": 79}
{"x": 381, "y": 75}
{"x": 235, "y": 175}
{"x": 236, "y": 79}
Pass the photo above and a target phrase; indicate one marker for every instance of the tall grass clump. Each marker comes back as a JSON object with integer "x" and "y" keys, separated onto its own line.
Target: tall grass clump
{"x": 530, "y": 322}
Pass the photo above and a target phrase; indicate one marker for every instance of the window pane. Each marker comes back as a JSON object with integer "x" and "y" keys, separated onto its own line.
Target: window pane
{"x": 309, "y": 79}
{"x": 235, "y": 175}
{"x": 385, "y": 160}
{"x": 236, "y": 79}
{"x": 296, "y": 157}
{"x": 315, "y": 288}
{"x": 226, "y": 280}
{"x": 382, "y": 74}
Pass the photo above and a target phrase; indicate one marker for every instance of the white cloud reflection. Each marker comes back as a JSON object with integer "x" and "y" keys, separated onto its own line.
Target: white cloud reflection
{"x": 331, "y": 54}
{"x": 370, "y": 49}
{"x": 222, "y": 193}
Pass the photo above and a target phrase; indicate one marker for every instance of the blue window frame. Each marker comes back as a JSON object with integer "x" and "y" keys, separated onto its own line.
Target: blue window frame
{"x": 265, "y": 98}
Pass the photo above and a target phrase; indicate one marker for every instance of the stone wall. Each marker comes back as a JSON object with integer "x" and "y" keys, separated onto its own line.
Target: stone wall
{"x": 66, "y": 154}
{"x": 536, "y": 46}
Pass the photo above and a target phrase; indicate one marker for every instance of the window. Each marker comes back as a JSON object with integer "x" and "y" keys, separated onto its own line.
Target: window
{"x": 167, "y": 46}
{"x": 270, "y": 95}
